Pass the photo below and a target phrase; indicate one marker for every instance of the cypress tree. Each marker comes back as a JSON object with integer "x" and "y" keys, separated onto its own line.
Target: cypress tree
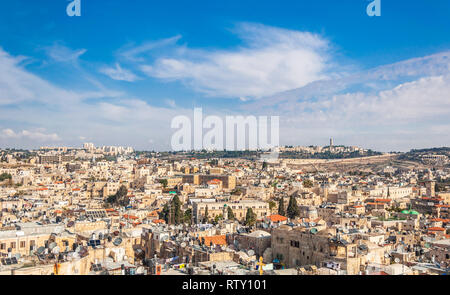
{"x": 250, "y": 217}
{"x": 293, "y": 210}
{"x": 230, "y": 213}
{"x": 206, "y": 217}
{"x": 176, "y": 209}
{"x": 281, "y": 210}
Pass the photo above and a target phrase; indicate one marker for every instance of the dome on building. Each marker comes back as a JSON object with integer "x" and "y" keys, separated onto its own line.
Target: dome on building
{"x": 410, "y": 212}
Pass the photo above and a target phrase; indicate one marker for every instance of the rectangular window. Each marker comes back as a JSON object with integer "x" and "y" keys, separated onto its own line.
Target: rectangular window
{"x": 13, "y": 245}
{"x": 295, "y": 244}
{"x": 22, "y": 244}
{"x": 3, "y": 246}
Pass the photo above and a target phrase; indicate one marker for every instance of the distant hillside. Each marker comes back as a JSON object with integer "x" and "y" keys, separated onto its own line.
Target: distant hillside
{"x": 429, "y": 155}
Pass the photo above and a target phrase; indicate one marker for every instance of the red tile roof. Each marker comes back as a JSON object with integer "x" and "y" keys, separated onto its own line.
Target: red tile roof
{"x": 130, "y": 216}
{"x": 214, "y": 181}
{"x": 383, "y": 200}
{"x": 277, "y": 218}
{"x": 440, "y": 219}
{"x": 216, "y": 240}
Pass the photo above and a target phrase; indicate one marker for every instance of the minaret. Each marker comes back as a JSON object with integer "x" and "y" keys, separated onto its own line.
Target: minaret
{"x": 331, "y": 144}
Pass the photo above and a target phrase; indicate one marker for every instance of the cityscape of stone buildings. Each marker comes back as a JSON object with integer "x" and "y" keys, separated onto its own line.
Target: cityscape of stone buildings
{"x": 80, "y": 211}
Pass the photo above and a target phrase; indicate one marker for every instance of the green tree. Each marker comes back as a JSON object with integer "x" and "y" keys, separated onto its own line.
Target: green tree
{"x": 293, "y": 210}
{"x": 165, "y": 212}
{"x": 206, "y": 216}
{"x": 172, "y": 213}
{"x": 122, "y": 191}
{"x": 250, "y": 217}
{"x": 308, "y": 183}
{"x": 230, "y": 213}
{"x": 111, "y": 200}
{"x": 164, "y": 182}
{"x": 120, "y": 198}
{"x": 218, "y": 218}
{"x": 264, "y": 165}
{"x": 237, "y": 191}
{"x": 176, "y": 210}
{"x": 187, "y": 217}
{"x": 281, "y": 210}
{"x": 272, "y": 205}
{"x": 5, "y": 176}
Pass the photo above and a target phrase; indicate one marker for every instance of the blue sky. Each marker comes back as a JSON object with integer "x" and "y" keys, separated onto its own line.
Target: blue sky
{"x": 120, "y": 72}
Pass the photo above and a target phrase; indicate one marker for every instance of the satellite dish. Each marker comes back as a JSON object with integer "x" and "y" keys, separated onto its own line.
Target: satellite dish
{"x": 183, "y": 245}
{"x": 52, "y": 245}
{"x": 397, "y": 260}
{"x": 140, "y": 270}
{"x": 83, "y": 252}
{"x": 251, "y": 253}
{"x": 386, "y": 255}
{"x": 56, "y": 250}
{"x": 117, "y": 241}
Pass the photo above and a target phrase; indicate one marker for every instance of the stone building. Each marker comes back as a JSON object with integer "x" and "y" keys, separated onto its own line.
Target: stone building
{"x": 258, "y": 241}
{"x": 261, "y": 209}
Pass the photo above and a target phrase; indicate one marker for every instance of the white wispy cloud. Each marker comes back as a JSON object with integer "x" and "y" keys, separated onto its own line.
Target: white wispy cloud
{"x": 35, "y": 135}
{"x": 371, "y": 80}
{"x": 118, "y": 73}
{"x": 33, "y": 105}
{"x": 394, "y": 106}
{"x": 270, "y": 60}
{"x": 61, "y": 53}
{"x": 18, "y": 85}
{"x": 411, "y": 114}
{"x": 140, "y": 53}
